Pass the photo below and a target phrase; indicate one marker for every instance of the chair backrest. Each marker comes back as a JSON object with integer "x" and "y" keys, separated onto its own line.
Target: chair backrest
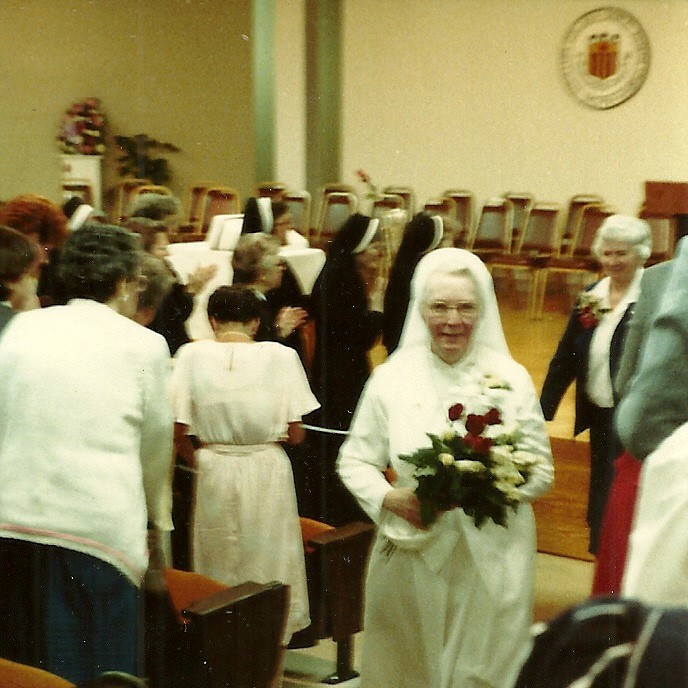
{"x": 83, "y": 188}
{"x": 464, "y": 208}
{"x": 196, "y": 205}
{"x": 299, "y": 203}
{"x": 591, "y": 217}
{"x": 15, "y": 675}
{"x": 495, "y": 226}
{"x": 522, "y": 203}
{"x": 219, "y": 200}
{"x": 125, "y": 190}
{"x": 541, "y": 233}
{"x": 663, "y": 230}
{"x": 407, "y": 193}
{"x": 570, "y": 223}
{"x": 385, "y": 203}
{"x": 337, "y": 207}
{"x": 446, "y": 209}
{"x": 273, "y": 190}
{"x": 146, "y": 189}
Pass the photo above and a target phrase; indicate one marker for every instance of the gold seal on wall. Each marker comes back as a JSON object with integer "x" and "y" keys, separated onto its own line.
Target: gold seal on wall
{"x": 606, "y": 57}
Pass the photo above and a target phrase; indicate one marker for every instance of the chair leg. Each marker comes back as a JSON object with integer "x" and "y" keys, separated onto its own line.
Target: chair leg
{"x": 345, "y": 670}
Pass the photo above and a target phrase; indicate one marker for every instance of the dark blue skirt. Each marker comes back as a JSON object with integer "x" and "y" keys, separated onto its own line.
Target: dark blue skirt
{"x": 66, "y": 612}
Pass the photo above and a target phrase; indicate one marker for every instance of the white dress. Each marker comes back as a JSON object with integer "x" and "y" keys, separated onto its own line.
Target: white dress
{"x": 450, "y": 606}
{"x": 238, "y": 398}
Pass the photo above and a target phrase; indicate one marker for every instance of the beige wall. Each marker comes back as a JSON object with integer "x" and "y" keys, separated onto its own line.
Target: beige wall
{"x": 437, "y": 93}
{"x": 176, "y": 70}
{"x": 469, "y": 94}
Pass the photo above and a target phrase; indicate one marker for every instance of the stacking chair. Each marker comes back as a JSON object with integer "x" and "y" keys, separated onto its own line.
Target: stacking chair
{"x": 407, "y": 193}
{"x": 219, "y": 200}
{"x": 336, "y": 208}
{"x": 494, "y": 228}
{"x": 446, "y": 209}
{"x": 273, "y": 190}
{"x": 538, "y": 242}
{"x": 523, "y": 204}
{"x": 574, "y": 209}
{"x": 83, "y": 188}
{"x": 464, "y": 206}
{"x": 385, "y": 203}
{"x": 663, "y": 230}
{"x": 299, "y": 203}
{"x": 15, "y": 675}
{"x": 196, "y": 204}
{"x": 221, "y": 636}
{"x": 146, "y": 189}
{"x": 575, "y": 257}
{"x": 125, "y": 190}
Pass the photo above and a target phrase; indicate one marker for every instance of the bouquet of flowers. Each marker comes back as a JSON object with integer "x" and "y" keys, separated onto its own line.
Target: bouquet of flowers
{"x": 478, "y": 470}
{"x": 589, "y": 309}
{"x": 81, "y": 131}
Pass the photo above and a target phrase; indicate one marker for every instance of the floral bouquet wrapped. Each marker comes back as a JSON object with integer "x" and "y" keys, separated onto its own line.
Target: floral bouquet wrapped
{"x": 81, "y": 131}
{"x": 478, "y": 470}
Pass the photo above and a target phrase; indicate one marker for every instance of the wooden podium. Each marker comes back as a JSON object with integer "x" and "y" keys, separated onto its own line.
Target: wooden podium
{"x": 667, "y": 200}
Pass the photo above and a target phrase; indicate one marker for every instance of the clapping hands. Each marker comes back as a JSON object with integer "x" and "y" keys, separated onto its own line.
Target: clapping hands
{"x": 288, "y": 319}
{"x": 199, "y": 278}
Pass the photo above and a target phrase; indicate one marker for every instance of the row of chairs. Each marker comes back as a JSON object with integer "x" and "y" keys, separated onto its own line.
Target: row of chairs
{"x": 209, "y": 635}
{"x": 512, "y": 232}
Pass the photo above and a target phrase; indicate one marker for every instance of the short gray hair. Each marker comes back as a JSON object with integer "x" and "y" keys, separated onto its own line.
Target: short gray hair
{"x": 626, "y": 229}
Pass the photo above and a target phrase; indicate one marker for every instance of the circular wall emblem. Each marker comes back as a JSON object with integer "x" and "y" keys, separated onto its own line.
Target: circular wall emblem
{"x": 606, "y": 57}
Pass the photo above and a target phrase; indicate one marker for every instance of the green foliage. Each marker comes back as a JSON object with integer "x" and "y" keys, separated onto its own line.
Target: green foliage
{"x": 140, "y": 158}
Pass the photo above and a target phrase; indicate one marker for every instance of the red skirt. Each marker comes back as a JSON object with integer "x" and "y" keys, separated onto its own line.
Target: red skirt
{"x": 616, "y": 526}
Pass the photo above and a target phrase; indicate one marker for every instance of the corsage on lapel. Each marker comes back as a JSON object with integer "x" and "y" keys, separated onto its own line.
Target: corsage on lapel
{"x": 590, "y": 310}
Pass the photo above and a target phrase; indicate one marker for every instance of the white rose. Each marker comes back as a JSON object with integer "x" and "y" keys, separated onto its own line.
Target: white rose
{"x": 508, "y": 490}
{"x": 501, "y": 453}
{"x": 469, "y": 466}
{"x": 524, "y": 459}
{"x": 508, "y": 474}
{"x": 449, "y": 435}
{"x": 446, "y": 459}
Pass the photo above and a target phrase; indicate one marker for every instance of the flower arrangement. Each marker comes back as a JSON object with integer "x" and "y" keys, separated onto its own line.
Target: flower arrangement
{"x": 372, "y": 191}
{"x": 81, "y": 131}
{"x": 476, "y": 467}
{"x": 590, "y": 310}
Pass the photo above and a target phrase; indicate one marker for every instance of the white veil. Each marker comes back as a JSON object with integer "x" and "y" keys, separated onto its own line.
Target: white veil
{"x": 488, "y": 332}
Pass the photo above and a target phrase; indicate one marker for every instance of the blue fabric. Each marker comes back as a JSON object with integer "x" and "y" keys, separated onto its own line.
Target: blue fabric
{"x": 66, "y": 612}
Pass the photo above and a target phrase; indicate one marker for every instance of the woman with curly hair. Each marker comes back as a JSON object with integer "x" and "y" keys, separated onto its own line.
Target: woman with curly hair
{"x": 43, "y": 221}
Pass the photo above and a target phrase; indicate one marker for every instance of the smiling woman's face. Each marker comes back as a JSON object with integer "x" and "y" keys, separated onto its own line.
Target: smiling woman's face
{"x": 450, "y": 310}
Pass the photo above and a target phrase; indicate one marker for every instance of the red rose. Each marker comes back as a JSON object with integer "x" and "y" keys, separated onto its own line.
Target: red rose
{"x": 475, "y": 424}
{"x": 480, "y": 445}
{"x": 588, "y": 320}
{"x": 455, "y": 412}
{"x": 493, "y": 417}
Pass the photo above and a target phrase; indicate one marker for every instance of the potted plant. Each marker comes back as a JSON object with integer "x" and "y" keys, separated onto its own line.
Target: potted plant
{"x": 140, "y": 158}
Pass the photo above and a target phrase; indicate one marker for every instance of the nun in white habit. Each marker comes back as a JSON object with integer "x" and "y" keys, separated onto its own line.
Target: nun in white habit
{"x": 449, "y": 605}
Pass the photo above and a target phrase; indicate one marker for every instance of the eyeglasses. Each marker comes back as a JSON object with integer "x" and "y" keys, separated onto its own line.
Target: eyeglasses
{"x": 466, "y": 310}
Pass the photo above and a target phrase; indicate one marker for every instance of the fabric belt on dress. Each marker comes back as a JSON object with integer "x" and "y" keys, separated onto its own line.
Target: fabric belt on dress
{"x": 235, "y": 449}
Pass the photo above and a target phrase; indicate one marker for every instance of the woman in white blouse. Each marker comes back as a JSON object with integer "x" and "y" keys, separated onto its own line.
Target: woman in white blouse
{"x": 590, "y": 349}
